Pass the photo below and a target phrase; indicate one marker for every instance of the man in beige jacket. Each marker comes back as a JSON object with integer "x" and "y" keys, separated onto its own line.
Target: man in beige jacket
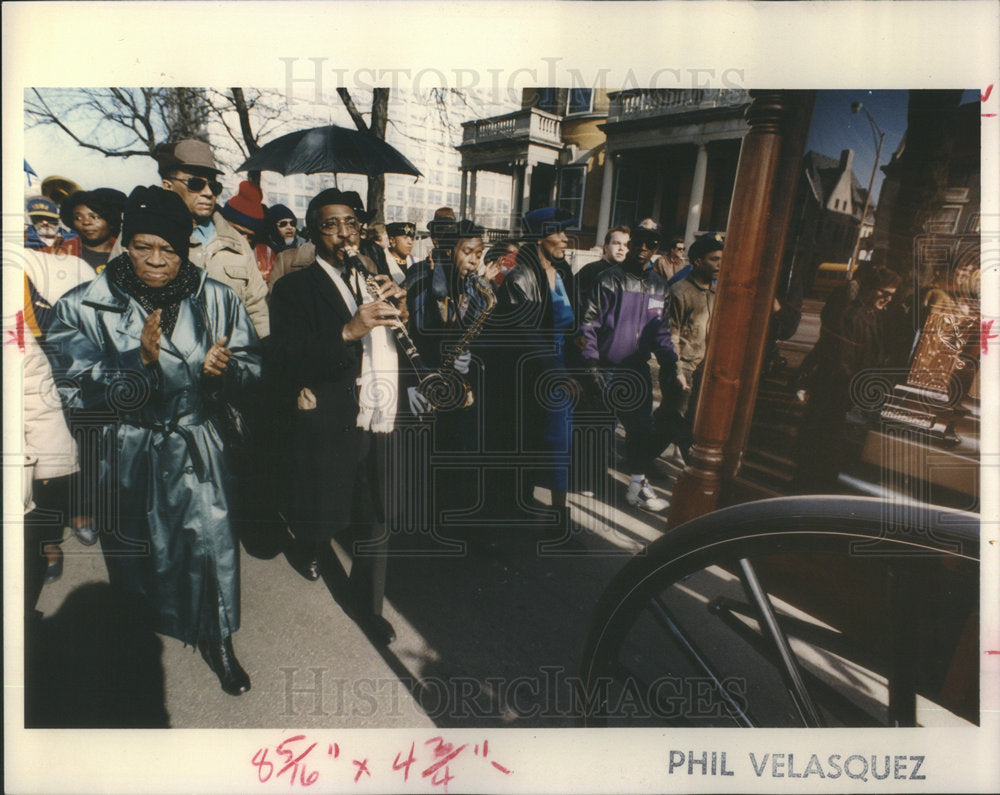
{"x": 188, "y": 169}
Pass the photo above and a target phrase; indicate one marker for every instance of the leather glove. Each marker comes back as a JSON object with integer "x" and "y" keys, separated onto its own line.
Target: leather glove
{"x": 595, "y": 383}
{"x": 418, "y": 403}
{"x": 462, "y": 362}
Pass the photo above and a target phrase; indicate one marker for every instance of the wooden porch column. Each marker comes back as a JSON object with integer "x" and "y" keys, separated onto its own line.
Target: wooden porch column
{"x": 730, "y": 341}
{"x": 782, "y": 207}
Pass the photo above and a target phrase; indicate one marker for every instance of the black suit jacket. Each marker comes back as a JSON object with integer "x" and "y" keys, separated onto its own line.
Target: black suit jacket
{"x": 321, "y": 447}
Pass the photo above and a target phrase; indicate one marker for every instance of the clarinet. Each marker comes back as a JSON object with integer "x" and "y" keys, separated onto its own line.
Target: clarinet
{"x": 403, "y": 339}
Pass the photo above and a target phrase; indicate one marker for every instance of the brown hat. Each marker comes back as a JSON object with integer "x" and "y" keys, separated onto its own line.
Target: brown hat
{"x": 189, "y": 154}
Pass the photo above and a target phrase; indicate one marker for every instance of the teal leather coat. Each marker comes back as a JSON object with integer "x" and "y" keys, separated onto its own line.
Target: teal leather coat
{"x": 164, "y": 468}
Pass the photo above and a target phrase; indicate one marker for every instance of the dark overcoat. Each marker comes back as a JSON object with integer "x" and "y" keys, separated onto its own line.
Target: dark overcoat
{"x": 164, "y": 459}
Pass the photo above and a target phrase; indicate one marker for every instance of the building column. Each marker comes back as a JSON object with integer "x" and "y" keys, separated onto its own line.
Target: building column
{"x": 658, "y": 198}
{"x": 697, "y": 195}
{"x": 465, "y": 190}
{"x": 607, "y": 188}
{"x": 515, "y": 196}
{"x": 472, "y": 199}
{"x": 526, "y": 189}
{"x": 744, "y": 266}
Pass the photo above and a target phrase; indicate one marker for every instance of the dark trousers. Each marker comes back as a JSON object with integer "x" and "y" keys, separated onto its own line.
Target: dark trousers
{"x": 630, "y": 391}
{"x": 368, "y": 531}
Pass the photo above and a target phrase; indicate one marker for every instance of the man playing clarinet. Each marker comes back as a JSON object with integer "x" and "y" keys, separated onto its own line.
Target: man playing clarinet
{"x": 335, "y": 368}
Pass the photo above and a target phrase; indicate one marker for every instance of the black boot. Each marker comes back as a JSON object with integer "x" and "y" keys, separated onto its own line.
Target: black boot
{"x": 222, "y": 660}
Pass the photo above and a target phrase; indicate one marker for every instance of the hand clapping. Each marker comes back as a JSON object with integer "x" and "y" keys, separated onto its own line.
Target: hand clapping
{"x": 217, "y": 358}
{"x": 149, "y": 340}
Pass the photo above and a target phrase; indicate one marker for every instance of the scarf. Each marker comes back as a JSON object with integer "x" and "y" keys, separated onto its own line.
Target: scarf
{"x": 378, "y": 383}
{"x": 168, "y": 298}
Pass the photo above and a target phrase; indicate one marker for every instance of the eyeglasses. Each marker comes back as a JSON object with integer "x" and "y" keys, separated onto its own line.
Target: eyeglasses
{"x": 331, "y": 224}
{"x": 283, "y": 224}
{"x": 197, "y": 184}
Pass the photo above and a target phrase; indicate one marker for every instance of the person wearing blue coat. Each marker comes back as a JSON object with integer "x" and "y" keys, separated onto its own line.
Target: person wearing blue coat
{"x": 156, "y": 349}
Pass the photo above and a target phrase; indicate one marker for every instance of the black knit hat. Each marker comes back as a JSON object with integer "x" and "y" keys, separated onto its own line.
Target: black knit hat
{"x": 106, "y": 202}
{"x": 703, "y": 245}
{"x": 154, "y": 211}
{"x": 277, "y": 212}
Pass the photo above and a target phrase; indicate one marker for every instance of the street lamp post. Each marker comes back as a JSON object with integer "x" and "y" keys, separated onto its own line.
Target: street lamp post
{"x": 880, "y": 133}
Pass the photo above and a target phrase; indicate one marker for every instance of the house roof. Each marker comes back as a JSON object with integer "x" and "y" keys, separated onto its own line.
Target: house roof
{"x": 823, "y": 173}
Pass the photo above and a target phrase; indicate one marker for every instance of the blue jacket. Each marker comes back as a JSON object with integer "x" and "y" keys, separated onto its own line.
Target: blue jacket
{"x": 163, "y": 456}
{"x": 625, "y": 319}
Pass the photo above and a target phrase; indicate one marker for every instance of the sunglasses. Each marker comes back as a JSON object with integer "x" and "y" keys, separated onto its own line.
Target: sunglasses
{"x": 283, "y": 224}
{"x": 197, "y": 184}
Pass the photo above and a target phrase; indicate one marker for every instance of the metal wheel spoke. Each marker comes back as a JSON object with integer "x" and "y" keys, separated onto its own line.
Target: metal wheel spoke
{"x": 789, "y": 665}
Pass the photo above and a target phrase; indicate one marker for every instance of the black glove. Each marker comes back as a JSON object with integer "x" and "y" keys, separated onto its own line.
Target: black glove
{"x": 594, "y": 383}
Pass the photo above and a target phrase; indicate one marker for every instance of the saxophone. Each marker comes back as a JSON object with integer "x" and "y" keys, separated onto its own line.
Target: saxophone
{"x": 446, "y": 389}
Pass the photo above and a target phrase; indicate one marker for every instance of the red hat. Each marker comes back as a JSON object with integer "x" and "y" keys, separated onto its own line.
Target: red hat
{"x": 245, "y": 208}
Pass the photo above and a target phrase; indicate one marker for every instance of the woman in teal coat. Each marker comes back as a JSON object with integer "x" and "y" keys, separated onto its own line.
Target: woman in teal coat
{"x": 156, "y": 349}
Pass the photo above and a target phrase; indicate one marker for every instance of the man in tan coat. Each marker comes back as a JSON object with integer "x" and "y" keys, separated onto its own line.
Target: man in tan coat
{"x": 188, "y": 169}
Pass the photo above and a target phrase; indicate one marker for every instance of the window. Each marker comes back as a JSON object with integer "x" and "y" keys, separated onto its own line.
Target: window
{"x": 454, "y": 179}
{"x": 300, "y": 201}
{"x": 571, "y": 185}
{"x": 580, "y": 100}
{"x": 627, "y": 185}
{"x": 416, "y": 195}
{"x": 394, "y": 212}
{"x": 434, "y": 197}
{"x": 436, "y": 178}
{"x": 548, "y": 99}
{"x": 454, "y": 199}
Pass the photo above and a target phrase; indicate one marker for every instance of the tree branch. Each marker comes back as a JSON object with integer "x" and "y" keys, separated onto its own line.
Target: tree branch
{"x": 356, "y": 117}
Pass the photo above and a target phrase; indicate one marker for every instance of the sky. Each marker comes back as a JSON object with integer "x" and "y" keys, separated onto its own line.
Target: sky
{"x": 834, "y": 128}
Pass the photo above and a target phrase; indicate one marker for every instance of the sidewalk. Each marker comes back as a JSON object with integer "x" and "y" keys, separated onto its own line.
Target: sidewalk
{"x": 469, "y": 628}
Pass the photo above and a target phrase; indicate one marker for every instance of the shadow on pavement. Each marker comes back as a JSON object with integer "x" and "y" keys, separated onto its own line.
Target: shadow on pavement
{"x": 503, "y": 624}
{"x": 93, "y": 665}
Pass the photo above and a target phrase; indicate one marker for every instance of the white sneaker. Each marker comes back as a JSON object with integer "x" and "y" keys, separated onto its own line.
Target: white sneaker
{"x": 642, "y": 495}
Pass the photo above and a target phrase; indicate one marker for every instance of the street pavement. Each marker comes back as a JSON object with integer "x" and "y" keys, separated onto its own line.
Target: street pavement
{"x": 489, "y": 636}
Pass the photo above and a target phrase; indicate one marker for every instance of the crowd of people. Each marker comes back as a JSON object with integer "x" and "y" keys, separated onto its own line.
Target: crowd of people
{"x": 237, "y": 363}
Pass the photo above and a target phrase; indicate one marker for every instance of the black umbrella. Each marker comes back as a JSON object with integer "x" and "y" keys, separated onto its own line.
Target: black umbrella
{"x": 329, "y": 149}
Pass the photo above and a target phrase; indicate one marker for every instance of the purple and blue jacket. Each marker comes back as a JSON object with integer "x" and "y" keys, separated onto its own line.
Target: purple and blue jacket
{"x": 626, "y": 319}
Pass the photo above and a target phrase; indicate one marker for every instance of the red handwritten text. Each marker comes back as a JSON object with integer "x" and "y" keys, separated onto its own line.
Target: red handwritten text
{"x": 985, "y": 336}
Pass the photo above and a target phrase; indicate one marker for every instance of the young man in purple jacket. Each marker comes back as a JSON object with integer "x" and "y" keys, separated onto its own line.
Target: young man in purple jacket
{"x": 625, "y": 320}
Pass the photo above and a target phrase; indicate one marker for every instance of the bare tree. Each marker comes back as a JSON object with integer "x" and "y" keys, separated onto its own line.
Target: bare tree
{"x": 376, "y": 127}
{"x": 120, "y": 122}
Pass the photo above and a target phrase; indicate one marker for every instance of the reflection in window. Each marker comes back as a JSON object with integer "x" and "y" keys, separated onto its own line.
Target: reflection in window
{"x": 571, "y": 183}
{"x": 580, "y": 100}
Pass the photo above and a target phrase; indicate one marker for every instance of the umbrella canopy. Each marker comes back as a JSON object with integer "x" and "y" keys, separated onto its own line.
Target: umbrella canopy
{"x": 329, "y": 149}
